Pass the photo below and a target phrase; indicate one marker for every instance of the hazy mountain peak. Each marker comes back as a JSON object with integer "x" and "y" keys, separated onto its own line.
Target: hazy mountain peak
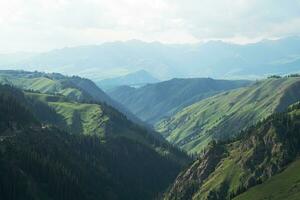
{"x": 136, "y": 79}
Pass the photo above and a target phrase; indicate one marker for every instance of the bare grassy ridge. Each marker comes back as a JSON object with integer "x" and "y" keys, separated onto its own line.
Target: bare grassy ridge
{"x": 223, "y": 116}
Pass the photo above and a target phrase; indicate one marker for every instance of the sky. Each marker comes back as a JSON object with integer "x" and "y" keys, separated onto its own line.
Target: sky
{"x": 41, "y": 25}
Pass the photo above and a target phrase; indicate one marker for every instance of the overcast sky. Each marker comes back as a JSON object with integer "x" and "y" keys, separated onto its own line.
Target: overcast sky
{"x": 39, "y": 25}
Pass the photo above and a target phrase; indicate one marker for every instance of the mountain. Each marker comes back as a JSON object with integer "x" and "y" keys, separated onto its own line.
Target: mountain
{"x": 215, "y": 59}
{"x": 101, "y": 156}
{"x": 282, "y": 186}
{"x": 74, "y": 88}
{"x": 222, "y": 116}
{"x": 135, "y": 79}
{"x": 153, "y": 102}
{"x": 266, "y": 155}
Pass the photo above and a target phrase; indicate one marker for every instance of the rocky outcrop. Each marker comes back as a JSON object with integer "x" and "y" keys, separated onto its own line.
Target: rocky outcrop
{"x": 227, "y": 169}
{"x": 188, "y": 182}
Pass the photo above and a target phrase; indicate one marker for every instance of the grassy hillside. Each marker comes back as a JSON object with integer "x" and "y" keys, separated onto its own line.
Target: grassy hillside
{"x": 106, "y": 157}
{"x": 226, "y": 170}
{"x": 85, "y": 118}
{"x": 153, "y": 102}
{"x": 282, "y": 186}
{"x": 81, "y": 118}
{"x": 224, "y": 115}
{"x": 74, "y": 88}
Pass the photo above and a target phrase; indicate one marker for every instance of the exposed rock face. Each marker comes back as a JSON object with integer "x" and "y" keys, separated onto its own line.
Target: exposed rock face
{"x": 229, "y": 168}
{"x": 194, "y": 176}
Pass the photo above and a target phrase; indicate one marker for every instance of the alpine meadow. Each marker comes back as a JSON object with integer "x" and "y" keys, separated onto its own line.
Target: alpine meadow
{"x": 149, "y": 100}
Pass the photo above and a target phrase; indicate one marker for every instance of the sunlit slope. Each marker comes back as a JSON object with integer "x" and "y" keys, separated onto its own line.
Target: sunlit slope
{"x": 73, "y": 88}
{"x": 42, "y": 84}
{"x": 155, "y": 101}
{"x": 223, "y": 116}
{"x": 225, "y": 170}
{"x": 81, "y": 118}
{"x": 285, "y": 185}
{"x": 78, "y": 118}
{"x": 88, "y": 118}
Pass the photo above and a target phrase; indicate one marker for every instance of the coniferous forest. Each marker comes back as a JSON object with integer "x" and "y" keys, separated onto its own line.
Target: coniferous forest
{"x": 149, "y": 100}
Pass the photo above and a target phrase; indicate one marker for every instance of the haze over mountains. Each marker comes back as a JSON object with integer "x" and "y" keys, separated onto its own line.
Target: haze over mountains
{"x": 214, "y": 59}
{"x": 80, "y": 142}
{"x": 149, "y": 100}
{"x": 135, "y": 79}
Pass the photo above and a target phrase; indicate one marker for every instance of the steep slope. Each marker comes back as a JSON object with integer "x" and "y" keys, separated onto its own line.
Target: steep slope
{"x": 39, "y": 161}
{"x": 83, "y": 117}
{"x": 226, "y": 170}
{"x": 224, "y": 115}
{"x": 155, "y": 101}
{"x": 282, "y": 186}
{"x": 74, "y": 88}
{"x": 77, "y": 118}
{"x": 136, "y": 79}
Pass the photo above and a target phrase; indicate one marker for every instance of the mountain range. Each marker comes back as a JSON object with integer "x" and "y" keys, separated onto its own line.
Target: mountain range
{"x": 215, "y": 59}
{"x": 62, "y": 137}
{"x": 153, "y": 102}
{"x": 222, "y": 116}
{"x": 135, "y": 79}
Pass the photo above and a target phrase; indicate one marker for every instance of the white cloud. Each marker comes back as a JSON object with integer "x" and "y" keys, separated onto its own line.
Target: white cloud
{"x": 32, "y": 25}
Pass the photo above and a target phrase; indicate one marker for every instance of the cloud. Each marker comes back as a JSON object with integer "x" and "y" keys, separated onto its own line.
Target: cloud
{"x": 34, "y": 25}
{"x": 243, "y": 18}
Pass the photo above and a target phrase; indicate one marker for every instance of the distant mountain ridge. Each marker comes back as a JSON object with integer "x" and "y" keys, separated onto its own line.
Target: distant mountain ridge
{"x": 153, "y": 102}
{"x": 135, "y": 79}
{"x": 215, "y": 59}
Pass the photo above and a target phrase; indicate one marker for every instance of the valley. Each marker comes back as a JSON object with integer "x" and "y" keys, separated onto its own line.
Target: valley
{"x": 222, "y": 139}
{"x": 224, "y": 115}
{"x": 154, "y": 102}
{"x": 90, "y": 150}
{"x": 149, "y": 100}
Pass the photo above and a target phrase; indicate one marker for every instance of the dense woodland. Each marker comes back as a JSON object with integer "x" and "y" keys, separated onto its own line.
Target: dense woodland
{"x": 43, "y": 162}
{"x": 58, "y": 141}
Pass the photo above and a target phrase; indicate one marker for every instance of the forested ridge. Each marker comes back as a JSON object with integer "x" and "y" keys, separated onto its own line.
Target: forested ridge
{"x": 229, "y": 168}
{"x": 40, "y": 161}
{"x": 56, "y": 146}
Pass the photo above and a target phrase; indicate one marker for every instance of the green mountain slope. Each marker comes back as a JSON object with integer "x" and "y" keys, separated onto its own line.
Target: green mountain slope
{"x": 226, "y": 170}
{"x": 155, "y": 101}
{"x": 74, "y": 88}
{"x": 84, "y": 118}
{"x": 224, "y": 115}
{"x": 120, "y": 160}
{"x": 282, "y": 186}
